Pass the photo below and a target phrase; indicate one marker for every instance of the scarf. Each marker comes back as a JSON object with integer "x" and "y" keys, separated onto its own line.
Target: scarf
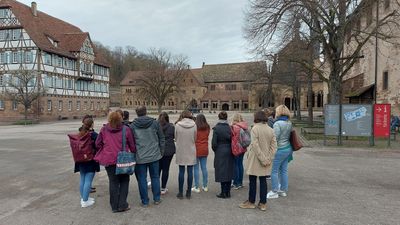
{"x": 283, "y": 118}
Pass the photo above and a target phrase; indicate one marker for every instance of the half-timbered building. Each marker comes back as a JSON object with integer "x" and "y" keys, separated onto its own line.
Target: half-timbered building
{"x": 67, "y": 67}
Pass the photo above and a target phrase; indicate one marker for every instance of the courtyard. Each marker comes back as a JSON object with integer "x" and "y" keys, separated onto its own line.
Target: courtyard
{"x": 328, "y": 185}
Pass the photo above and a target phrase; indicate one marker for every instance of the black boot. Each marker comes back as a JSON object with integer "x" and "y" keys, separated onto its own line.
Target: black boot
{"x": 228, "y": 194}
{"x": 221, "y": 195}
{"x": 188, "y": 194}
{"x": 179, "y": 195}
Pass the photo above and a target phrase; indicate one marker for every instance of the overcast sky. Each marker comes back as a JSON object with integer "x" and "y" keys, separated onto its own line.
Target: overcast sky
{"x": 207, "y": 31}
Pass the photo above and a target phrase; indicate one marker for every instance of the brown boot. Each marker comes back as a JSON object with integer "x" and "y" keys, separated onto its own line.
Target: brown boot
{"x": 247, "y": 205}
{"x": 262, "y": 207}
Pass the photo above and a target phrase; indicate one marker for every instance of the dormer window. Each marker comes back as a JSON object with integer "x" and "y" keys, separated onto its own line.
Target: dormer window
{"x": 52, "y": 41}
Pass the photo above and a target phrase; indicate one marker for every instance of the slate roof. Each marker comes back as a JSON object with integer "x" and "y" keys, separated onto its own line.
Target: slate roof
{"x": 43, "y": 26}
{"x": 232, "y": 72}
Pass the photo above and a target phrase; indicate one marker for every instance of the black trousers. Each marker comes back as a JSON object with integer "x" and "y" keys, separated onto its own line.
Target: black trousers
{"x": 253, "y": 189}
{"x": 118, "y": 188}
{"x": 226, "y": 187}
{"x": 165, "y": 163}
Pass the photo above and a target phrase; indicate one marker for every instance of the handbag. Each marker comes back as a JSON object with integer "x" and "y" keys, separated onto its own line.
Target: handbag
{"x": 126, "y": 160}
{"x": 295, "y": 141}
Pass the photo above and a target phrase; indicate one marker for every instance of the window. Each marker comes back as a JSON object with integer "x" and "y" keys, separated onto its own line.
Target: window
{"x": 1, "y": 104}
{"x": 205, "y": 105}
{"x": 70, "y": 106}
{"x": 91, "y": 105}
{"x": 369, "y": 15}
{"x": 387, "y": 4}
{"x": 60, "y": 105}
{"x": 16, "y": 34}
{"x": 98, "y": 106}
{"x": 3, "y": 58}
{"x": 78, "y": 105}
{"x": 385, "y": 84}
{"x": 47, "y": 59}
{"x": 15, "y": 57}
{"x": 246, "y": 86}
{"x": 4, "y": 13}
{"x": 212, "y": 87}
{"x": 28, "y": 57}
{"x": 49, "y": 107}
{"x": 193, "y": 91}
{"x": 1, "y": 80}
{"x": 3, "y": 35}
{"x": 69, "y": 84}
{"x": 85, "y": 106}
{"x": 59, "y": 62}
{"x": 15, "y": 105}
{"x": 215, "y": 105}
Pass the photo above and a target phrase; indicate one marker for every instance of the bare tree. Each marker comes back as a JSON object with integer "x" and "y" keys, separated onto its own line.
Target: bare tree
{"x": 23, "y": 88}
{"x": 163, "y": 76}
{"x": 332, "y": 23}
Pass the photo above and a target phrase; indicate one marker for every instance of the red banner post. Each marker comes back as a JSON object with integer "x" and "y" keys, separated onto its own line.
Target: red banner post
{"x": 382, "y": 120}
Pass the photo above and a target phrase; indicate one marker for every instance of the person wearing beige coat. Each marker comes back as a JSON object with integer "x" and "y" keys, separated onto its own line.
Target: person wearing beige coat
{"x": 258, "y": 160}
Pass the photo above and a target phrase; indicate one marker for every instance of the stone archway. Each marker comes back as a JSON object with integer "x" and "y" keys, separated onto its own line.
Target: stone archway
{"x": 225, "y": 107}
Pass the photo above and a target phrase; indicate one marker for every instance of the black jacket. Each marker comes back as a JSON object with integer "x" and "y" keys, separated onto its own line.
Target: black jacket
{"x": 221, "y": 145}
{"x": 169, "y": 134}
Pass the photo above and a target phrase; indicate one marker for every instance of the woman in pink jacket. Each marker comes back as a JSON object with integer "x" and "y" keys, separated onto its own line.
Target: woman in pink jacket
{"x": 109, "y": 143}
{"x": 238, "y": 151}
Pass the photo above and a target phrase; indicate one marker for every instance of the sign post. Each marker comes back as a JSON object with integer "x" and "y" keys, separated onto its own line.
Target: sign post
{"x": 382, "y": 121}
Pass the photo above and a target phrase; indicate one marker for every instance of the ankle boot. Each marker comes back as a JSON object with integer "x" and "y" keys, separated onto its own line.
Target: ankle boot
{"x": 188, "y": 194}
{"x": 228, "y": 194}
{"x": 221, "y": 195}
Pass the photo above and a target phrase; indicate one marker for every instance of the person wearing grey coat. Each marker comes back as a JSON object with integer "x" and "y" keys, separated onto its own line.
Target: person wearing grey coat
{"x": 185, "y": 137}
{"x": 223, "y": 160}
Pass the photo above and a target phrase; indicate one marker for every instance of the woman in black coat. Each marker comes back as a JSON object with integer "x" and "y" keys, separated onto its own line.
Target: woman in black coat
{"x": 169, "y": 151}
{"x": 223, "y": 160}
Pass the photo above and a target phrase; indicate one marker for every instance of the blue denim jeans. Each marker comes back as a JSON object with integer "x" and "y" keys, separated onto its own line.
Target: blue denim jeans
{"x": 181, "y": 178}
{"x": 141, "y": 176}
{"x": 238, "y": 170}
{"x": 279, "y": 173}
{"x": 85, "y": 184}
{"x": 201, "y": 162}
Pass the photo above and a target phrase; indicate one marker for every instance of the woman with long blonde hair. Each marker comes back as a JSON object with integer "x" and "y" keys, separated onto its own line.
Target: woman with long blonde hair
{"x": 279, "y": 173}
{"x": 238, "y": 151}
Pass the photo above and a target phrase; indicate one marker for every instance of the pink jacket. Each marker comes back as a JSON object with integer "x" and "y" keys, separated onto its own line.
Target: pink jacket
{"x": 109, "y": 143}
{"x": 236, "y": 148}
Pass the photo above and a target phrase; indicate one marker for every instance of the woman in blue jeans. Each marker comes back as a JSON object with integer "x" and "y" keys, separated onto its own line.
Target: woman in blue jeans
{"x": 279, "y": 173}
{"x": 203, "y": 131}
{"x": 185, "y": 137}
{"x": 87, "y": 169}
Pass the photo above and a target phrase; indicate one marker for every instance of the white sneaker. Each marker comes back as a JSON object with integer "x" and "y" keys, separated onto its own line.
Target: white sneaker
{"x": 195, "y": 189}
{"x": 205, "y": 189}
{"x": 282, "y": 194}
{"x": 86, "y": 204}
{"x": 89, "y": 200}
{"x": 164, "y": 191}
{"x": 272, "y": 195}
{"x": 149, "y": 184}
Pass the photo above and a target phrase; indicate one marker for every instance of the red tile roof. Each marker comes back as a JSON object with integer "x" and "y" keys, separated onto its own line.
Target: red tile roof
{"x": 69, "y": 37}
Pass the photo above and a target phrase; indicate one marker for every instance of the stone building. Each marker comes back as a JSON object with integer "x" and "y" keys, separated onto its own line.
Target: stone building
{"x": 67, "y": 66}
{"x": 359, "y": 83}
{"x": 231, "y": 87}
{"x": 191, "y": 90}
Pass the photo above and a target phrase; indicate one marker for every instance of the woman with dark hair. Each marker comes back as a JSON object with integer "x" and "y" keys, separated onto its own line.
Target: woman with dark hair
{"x": 185, "y": 136}
{"x": 88, "y": 169}
{"x": 109, "y": 143}
{"x": 165, "y": 162}
{"x": 259, "y": 158}
{"x": 203, "y": 131}
{"x": 223, "y": 160}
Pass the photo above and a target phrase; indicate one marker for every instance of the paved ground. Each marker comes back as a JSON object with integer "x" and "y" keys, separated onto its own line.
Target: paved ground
{"x": 327, "y": 186}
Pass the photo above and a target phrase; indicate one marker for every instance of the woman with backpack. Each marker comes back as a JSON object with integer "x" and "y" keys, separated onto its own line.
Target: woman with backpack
{"x": 203, "y": 131}
{"x": 87, "y": 169}
{"x": 259, "y": 158}
{"x": 185, "y": 136}
{"x": 238, "y": 127}
{"x": 169, "y": 151}
{"x": 223, "y": 160}
{"x": 109, "y": 142}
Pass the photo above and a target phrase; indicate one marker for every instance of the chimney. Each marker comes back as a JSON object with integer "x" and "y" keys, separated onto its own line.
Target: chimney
{"x": 203, "y": 64}
{"x": 34, "y": 8}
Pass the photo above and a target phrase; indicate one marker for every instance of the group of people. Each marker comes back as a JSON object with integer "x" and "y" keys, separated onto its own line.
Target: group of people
{"x": 155, "y": 142}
